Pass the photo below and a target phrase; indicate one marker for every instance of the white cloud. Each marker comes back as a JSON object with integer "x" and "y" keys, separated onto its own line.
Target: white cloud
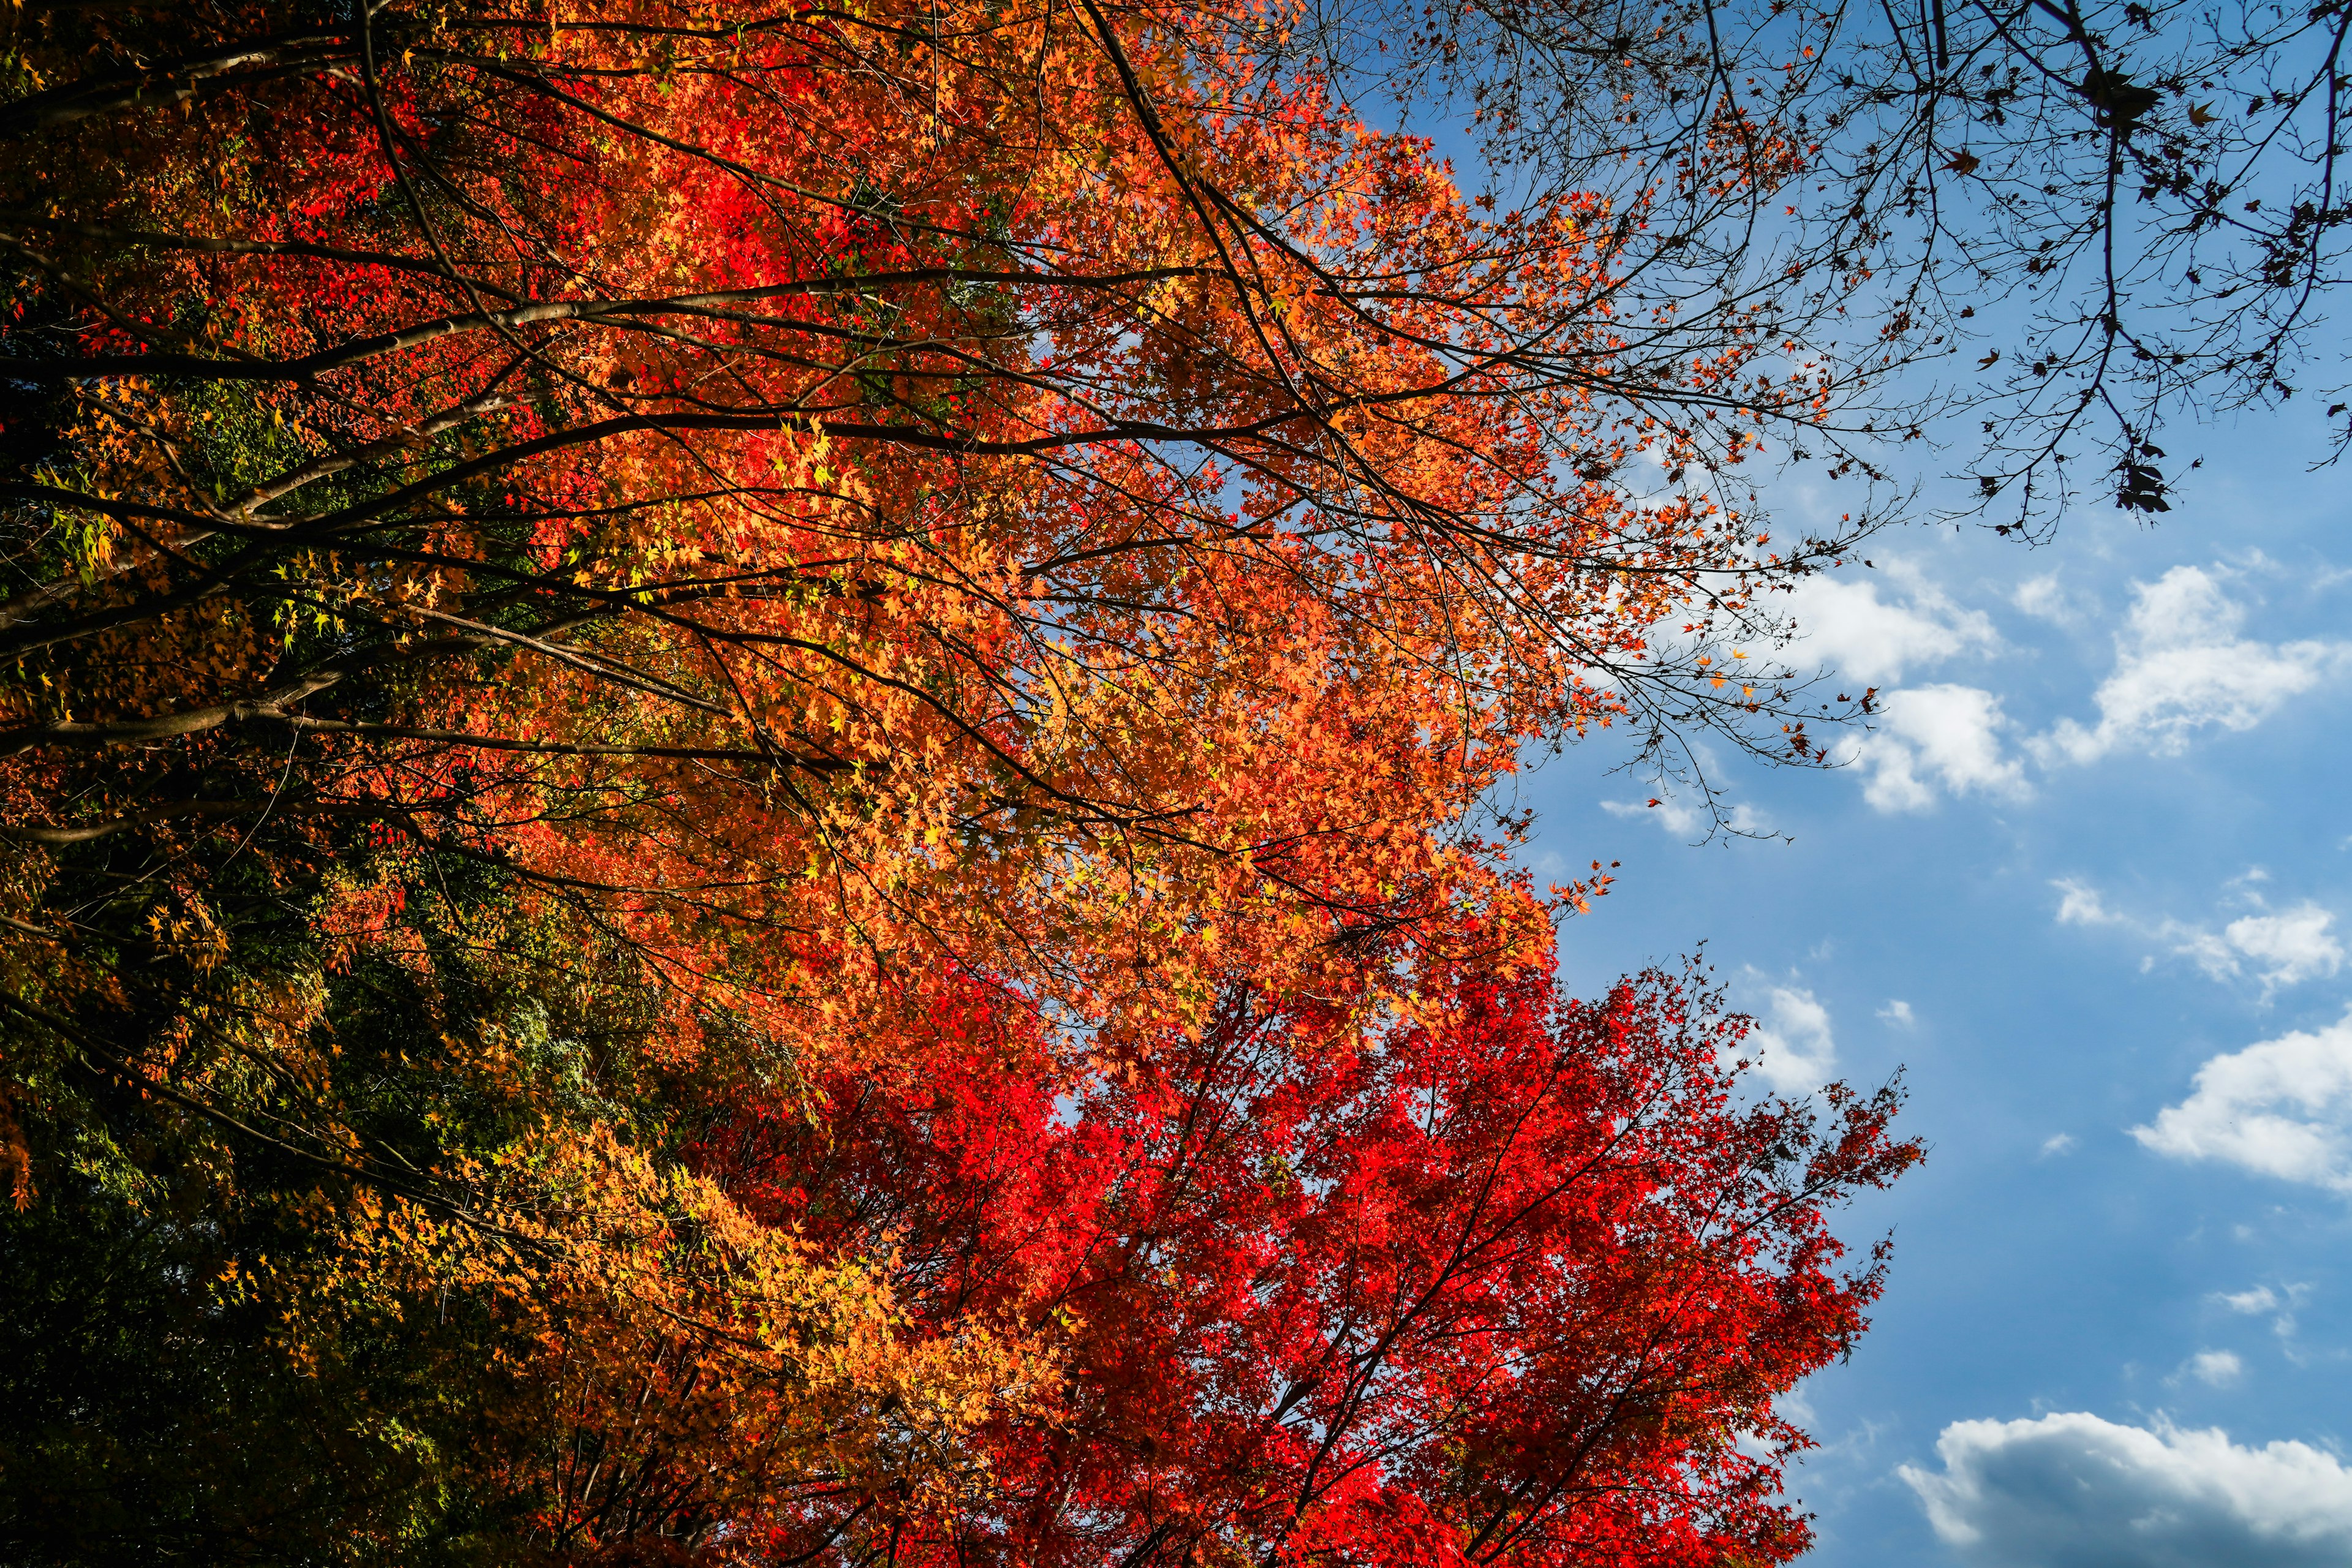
{"x": 1898, "y": 1013}
{"x": 1936, "y": 735}
{"x": 2058, "y": 1143}
{"x": 1683, "y": 820}
{"x": 2262, "y": 1298}
{"x": 2082, "y": 906}
{"x": 1870, "y": 639}
{"x": 2210, "y": 953}
{"x": 1927, "y": 739}
{"x": 2294, "y": 943}
{"x": 2214, "y": 1369}
{"x": 1673, "y": 816}
{"x": 2282, "y": 947}
{"x": 2182, "y": 665}
{"x": 2071, "y": 1491}
{"x": 1792, "y": 1044}
{"x": 2041, "y": 597}
{"x": 2282, "y": 1108}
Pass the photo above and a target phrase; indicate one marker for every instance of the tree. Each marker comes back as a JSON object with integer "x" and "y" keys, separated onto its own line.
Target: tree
{"x": 803, "y": 560}
{"x": 1518, "y": 1284}
{"x": 2168, "y": 181}
{"x": 869, "y": 537}
{"x": 411, "y": 1300}
{"x": 581, "y": 576}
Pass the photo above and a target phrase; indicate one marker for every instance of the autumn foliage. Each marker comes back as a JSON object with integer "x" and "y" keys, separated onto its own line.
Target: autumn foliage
{"x": 748, "y": 760}
{"x": 1513, "y": 1285}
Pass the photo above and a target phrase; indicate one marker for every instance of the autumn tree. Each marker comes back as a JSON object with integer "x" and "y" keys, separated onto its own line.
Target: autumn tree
{"x": 982, "y": 482}
{"x": 1079, "y": 507}
{"x": 1516, "y": 1283}
{"x": 576, "y": 571}
{"x": 428, "y": 1342}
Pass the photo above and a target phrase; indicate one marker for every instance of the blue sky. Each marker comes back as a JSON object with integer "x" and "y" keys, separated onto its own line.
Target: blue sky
{"x": 2101, "y": 844}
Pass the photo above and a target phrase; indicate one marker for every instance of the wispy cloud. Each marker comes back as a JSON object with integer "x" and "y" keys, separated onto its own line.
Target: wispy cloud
{"x": 2043, "y": 598}
{"x": 1793, "y": 1044}
{"x": 1929, "y": 741}
{"x": 2277, "y": 947}
{"x": 2182, "y": 664}
{"x": 2214, "y": 1369}
{"x": 1871, "y": 631}
{"x": 2278, "y": 1304}
{"x": 1935, "y": 739}
{"x": 2261, "y": 1298}
{"x": 1685, "y": 819}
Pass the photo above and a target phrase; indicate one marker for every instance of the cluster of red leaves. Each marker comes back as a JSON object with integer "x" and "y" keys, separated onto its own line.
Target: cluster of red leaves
{"x": 1519, "y": 1286}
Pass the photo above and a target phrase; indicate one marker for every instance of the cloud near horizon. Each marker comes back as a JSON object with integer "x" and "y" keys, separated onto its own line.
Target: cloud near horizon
{"x": 2071, "y": 1491}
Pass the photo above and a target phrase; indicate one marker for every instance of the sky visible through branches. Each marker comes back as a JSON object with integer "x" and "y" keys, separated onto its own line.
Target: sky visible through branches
{"x": 2090, "y": 884}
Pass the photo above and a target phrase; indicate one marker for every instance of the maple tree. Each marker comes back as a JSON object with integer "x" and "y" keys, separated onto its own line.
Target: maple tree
{"x": 596, "y": 592}
{"x": 775, "y": 487}
{"x": 1518, "y": 1284}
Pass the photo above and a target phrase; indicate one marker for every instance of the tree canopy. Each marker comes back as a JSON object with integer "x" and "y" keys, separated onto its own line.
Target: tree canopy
{"x": 750, "y": 754}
